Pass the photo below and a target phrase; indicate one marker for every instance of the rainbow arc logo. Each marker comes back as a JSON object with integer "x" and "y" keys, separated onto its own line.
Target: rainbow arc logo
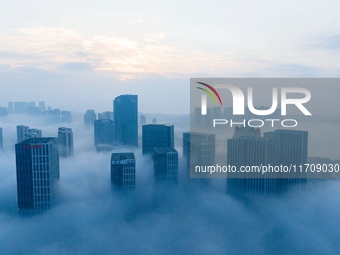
{"x": 211, "y": 92}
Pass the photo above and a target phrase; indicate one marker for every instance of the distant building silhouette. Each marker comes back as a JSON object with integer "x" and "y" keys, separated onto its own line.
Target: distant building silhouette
{"x": 89, "y": 118}
{"x": 126, "y": 119}
{"x": 37, "y": 163}
{"x": 65, "y": 141}
{"x": 105, "y": 115}
{"x": 104, "y": 134}
{"x": 3, "y": 111}
{"x": 165, "y": 165}
{"x": 154, "y": 121}
{"x": 33, "y": 133}
{"x": 42, "y": 107}
{"x": 66, "y": 116}
{"x": 10, "y": 108}
{"x": 123, "y": 171}
{"x": 142, "y": 120}
{"x": 157, "y": 135}
{"x": 199, "y": 148}
{"x": 24, "y": 132}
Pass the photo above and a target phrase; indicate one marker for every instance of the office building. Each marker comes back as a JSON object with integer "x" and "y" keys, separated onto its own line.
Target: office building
{"x": 199, "y": 148}
{"x": 3, "y": 111}
{"x": 104, "y": 134}
{"x": 126, "y": 119}
{"x": 32, "y": 133}
{"x": 251, "y": 151}
{"x": 142, "y": 120}
{"x": 37, "y": 169}
{"x": 66, "y": 116}
{"x": 291, "y": 149}
{"x": 165, "y": 165}
{"x": 65, "y": 141}
{"x": 21, "y": 131}
{"x": 89, "y": 118}
{"x": 123, "y": 171}
{"x": 105, "y": 115}
{"x": 10, "y": 108}
{"x": 157, "y": 135}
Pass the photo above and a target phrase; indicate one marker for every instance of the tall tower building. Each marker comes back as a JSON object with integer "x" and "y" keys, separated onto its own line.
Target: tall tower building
{"x": 251, "y": 151}
{"x": 291, "y": 149}
{"x": 165, "y": 165}
{"x": 142, "y": 120}
{"x": 37, "y": 163}
{"x": 1, "y": 139}
{"x": 126, "y": 119}
{"x": 65, "y": 141}
{"x": 104, "y": 133}
{"x": 123, "y": 171}
{"x": 157, "y": 135}
{"x": 89, "y": 118}
{"x": 21, "y": 131}
{"x": 66, "y": 116}
{"x": 199, "y": 147}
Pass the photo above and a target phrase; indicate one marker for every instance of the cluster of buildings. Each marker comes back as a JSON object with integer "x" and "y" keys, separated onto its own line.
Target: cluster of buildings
{"x": 37, "y": 157}
{"x": 53, "y": 116}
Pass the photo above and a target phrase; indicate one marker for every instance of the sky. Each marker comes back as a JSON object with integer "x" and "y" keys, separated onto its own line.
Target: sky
{"x": 100, "y": 49}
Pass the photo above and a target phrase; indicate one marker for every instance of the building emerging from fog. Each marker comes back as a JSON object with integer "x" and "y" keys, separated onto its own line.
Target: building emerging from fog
{"x": 37, "y": 163}
{"x": 157, "y": 135}
{"x": 123, "y": 171}
{"x": 104, "y": 134}
{"x": 65, "y": 141}
{"x": 291, "y": 149}
{"x": 66, "y": 116}
{"x": 251, "y": 151}
{"x": 165, "y": 165}
{"x": 24, "y": 132}
{"x": 89, "y": 118}
{"x": 142, "y": 120}
{"x": 199, "y": 148}
{"x": 126, "y": 119}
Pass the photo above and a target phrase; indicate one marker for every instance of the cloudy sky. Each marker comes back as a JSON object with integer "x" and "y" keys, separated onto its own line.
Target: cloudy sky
{"x": 96, "y": 50}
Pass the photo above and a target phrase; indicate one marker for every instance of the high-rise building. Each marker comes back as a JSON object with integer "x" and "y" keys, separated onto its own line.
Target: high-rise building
{"x": 157, "y": 135}
{"x": 66, "y": 116}
{"x": 199, "y": 148}
{"x": 165, "y": 165}
{"x": 154, "y": 121}
{"x": 105, "y": 115}
{"x": 37, "y": 164}
{"x": 126, "y": 119}
{"x": 10, "y": 108}
{"x": 65, "y": 141}
{"x": 251, "y": 151}
{"x": 89, "y": 118}
{"x": 32, "y": 133}
{"x": 123, "y": 171}
{"x": 3, "y": 111}
{"x": 142, "y": 120}
{"x": 104, "y": 134}
{"x": 20, "y": 107}
{"x": 21, "y": 131}
{"x": 1, "y": 139}
{"x": 42, "y": 107}
{"x": 291, "y": 149}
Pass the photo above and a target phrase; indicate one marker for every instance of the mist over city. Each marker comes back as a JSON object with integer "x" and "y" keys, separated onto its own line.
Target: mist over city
{"x": 107, "y": 136}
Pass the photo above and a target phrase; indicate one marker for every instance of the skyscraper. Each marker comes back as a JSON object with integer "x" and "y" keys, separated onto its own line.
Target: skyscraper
{"x": 126, "y": 119}
{"x": 142, "y": 120}
{"x": 251, "y": 151}
{"x": 291, "y": 149}
{"x": 199, "y": 148}
{"x": 157, "y": 135}
{"x": 21, "y": 131}
{"x": 104, "y": 133}
{"x": 66, "y": 116}
{"x": 123, "y": 171}
{"x": 89, "y": 118}
{"x": 37, "y": 163}
{"x": 32, "y": 133}
{"x": 65, "y": 140}
{"x": 1, "y": 140}
{"x": 165, "y": 165}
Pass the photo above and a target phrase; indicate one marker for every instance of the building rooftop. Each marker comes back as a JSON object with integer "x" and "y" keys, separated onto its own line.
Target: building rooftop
{"x": 163, "y": 149}
{"x": 122, "y": 156}
{"x": 38, "y": 140}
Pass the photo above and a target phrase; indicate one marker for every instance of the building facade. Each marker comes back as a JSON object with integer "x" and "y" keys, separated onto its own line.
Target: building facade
{"x": 37, "y": 169}
{"x": 65, "y": 141}
{"x": 126, "y": 119}
{"x": 123, "y": 171}
{"x": 165, "y": 165}
{"x": 157, "y": 135}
